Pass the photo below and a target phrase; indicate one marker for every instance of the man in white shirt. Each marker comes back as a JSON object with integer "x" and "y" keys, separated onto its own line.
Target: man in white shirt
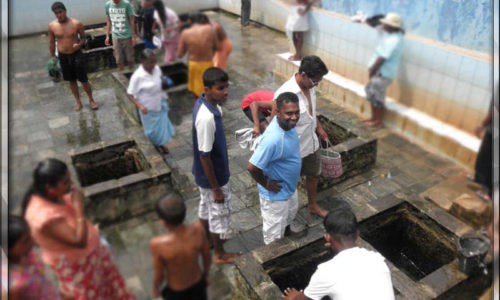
{"x": 353, "y": 273}
{"x": 311, "y": 72}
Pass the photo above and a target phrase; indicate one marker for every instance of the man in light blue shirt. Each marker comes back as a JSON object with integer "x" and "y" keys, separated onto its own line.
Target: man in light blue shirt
{"x": 383, "y": 66}
{"x": 275, "y": 165}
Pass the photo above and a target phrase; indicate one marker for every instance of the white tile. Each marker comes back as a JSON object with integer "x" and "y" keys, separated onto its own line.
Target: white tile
{"x": 435, "y": 80}
{"x": 422, "y": 77}
{"x": 412, "y": 51}
{"x": 321, "y": 41}
{"x": 410, "y": 72}
{"x": 426, "y": 57}
{"x": 338, "y": 29}
{"x": 453, "y": 62}
{"x": 334, "y": 45}
{"x": 467, "y": 69}
{"x": 447, "y": 89}
{"x": 371, "y": 38}
{"x": 358, "y": 54}
{"x": 438, "y": 58}
{"x": 483, "y": 75}
{"x": 350, "y": 51}
{"x": 342, "y": 46}
{"x": 367, "y": 55}
{"x": 478, "y": 98}
{"x": 462, "y": 92}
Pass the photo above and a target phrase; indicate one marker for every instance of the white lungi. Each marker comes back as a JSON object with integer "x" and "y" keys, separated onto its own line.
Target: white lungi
{"x": 276, "y": 216}
{"x": 217, "y": 214}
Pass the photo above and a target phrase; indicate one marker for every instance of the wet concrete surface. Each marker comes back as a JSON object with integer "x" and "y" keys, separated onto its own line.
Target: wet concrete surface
{"x": 43, "y": 124}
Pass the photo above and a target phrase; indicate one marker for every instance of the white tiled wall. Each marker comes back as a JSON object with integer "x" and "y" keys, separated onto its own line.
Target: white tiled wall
{"x": 444, "y": 73}
{"x": 441, "y": 72}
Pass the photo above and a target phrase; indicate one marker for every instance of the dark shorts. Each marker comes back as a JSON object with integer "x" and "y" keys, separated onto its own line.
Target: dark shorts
{"x": 311, "y": 164}
{"x": 73, "y": 66}
{"x": 248, "y": 113}
{"x": 198, "y": 291}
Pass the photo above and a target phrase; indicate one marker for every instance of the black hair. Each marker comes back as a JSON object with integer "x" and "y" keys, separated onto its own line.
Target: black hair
{"x": 160, "y": 8}
{"x": 48, "y": 172}
{"x": 171, "y": 209}
{"x": 313, "y": 66}
{"x": 17, "y": 227}
{"x": 214, "y": 75}
{"x": 146, "y": 54}
{"x": 58, "y": 5}
{"x": 201, "y": 18}
{"x": 286, "y": 97}
{"x": 341, "y": 224}
{"x": 184, "y": 17}
{"x": 186, "y": 20}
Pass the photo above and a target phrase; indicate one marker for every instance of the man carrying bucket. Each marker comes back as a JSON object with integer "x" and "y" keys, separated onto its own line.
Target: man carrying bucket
{"x": 311, "y": 72}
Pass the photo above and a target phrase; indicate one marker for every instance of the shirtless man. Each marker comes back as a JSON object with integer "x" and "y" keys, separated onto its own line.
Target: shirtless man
{"x": 200, "y": 41}
{"x": 221, "y": 56}
{"x": 177, "y": 253}
{"x": 70, "y": 37}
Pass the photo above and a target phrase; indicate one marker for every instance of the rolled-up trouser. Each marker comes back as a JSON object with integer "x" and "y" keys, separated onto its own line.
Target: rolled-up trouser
{"x": 217, "y": 214}
{"x": 276, "y": 216}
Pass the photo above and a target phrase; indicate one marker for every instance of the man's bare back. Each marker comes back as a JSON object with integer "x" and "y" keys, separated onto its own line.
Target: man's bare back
{"x": 219, "y": 30}
{"x": 199, "y": 41}
{"x": 177, "y": 253}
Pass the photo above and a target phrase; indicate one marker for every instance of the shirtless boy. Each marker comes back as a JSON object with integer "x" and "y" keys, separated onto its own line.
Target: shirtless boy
{"x": 70, "y": 37}
{"x": 176, "y": 254}
{"x": 225, "y": 46}
{"x": 200, "y": 41}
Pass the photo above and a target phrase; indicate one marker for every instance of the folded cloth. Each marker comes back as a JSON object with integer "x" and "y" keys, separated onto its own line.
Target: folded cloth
{"x": 246, "y": 140}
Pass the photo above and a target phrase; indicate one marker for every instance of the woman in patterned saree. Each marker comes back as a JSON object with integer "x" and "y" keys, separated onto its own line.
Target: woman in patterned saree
{"x": 70, "y": 244}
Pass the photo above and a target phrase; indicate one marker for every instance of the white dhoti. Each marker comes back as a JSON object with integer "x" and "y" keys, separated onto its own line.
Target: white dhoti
{"x": 217, "y": 214}
{"x": 276, "y": 216}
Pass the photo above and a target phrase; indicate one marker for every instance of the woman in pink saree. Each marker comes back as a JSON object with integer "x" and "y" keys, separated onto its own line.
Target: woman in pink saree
{"x": 70, "y": 244}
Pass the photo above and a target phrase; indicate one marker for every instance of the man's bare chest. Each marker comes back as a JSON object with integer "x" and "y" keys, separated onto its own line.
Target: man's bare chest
{"x": 65, "y": 32}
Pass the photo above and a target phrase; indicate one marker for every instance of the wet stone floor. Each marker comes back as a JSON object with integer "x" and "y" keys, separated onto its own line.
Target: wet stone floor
{"x": 43, "y": 124}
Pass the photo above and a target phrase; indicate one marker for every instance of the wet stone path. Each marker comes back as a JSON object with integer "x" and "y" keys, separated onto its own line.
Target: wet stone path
{"x": 43, "y": 124}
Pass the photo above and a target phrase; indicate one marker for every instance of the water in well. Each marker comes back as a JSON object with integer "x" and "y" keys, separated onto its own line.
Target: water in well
{"x": 109, "y": 163}
{"x": 295, "y": 269}
{"x": 413, "y": 242}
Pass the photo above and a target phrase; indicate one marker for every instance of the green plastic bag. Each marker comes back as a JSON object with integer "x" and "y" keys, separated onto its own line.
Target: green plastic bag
{"x": 54, "y": 69}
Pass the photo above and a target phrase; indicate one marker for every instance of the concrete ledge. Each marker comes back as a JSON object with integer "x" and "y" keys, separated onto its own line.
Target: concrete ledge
{"x": 441, "y": 137}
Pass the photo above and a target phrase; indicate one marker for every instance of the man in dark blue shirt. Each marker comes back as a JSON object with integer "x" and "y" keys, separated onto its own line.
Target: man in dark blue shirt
{"x": 210, "y": 162}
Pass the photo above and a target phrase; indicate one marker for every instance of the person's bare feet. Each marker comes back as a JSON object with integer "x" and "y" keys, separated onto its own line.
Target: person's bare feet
{"x": 78, "y": 106}
{"x": 294, "y": 57}
{"x": 375, "y": 124}
{"x": 165, "y": 149}
{"x": 93, "y": 105}
{"x": 315, "y": 209}
{"x": 225, "y": 258}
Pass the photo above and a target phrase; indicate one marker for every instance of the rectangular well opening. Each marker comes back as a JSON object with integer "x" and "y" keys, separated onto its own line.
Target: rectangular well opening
{"x": 295, "y": 268}
{"x": 336, "y": 133}
{"x": 411, "y": 240}
{"x": 112, "y": 162}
